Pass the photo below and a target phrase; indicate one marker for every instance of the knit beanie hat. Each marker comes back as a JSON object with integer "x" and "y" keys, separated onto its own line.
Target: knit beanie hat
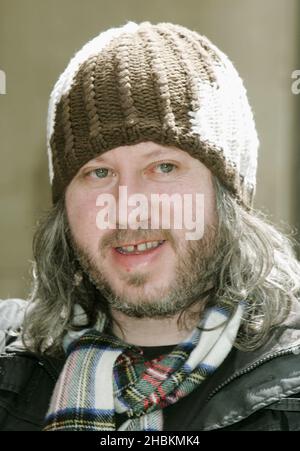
{"x": 161, "y": 83}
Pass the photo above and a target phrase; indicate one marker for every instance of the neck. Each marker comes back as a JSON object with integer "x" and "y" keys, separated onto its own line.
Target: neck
{"x": 154, "y": 332}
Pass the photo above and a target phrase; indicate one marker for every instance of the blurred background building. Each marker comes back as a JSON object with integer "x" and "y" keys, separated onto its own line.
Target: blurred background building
{"x": 37, "y": 39}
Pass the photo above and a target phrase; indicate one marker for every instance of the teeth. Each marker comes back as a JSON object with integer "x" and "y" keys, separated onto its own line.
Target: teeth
{"x": 152, "y": 244}
{"x": 141, "y": 247}
{"x": 128, "y": 248}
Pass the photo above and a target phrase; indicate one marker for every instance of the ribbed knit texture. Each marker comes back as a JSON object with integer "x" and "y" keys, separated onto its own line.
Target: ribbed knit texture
{"x": 162, "y": 83}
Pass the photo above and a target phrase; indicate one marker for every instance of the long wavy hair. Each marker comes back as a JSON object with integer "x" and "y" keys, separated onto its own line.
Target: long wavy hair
{"x": 258, "y": 266}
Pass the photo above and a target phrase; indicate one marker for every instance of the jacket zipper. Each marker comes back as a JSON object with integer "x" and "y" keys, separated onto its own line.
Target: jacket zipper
{"x": 252, "y": 367}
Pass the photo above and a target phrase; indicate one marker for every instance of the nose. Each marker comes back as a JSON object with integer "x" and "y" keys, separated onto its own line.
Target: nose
{"x": 132, "y": 201}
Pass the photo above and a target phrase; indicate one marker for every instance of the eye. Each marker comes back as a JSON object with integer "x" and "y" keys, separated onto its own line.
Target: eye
{"x": 166, "y": 167}
{"x": 100, "y": 173}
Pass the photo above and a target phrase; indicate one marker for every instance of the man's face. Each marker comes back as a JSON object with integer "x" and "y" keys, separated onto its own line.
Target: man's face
{"x": 161, "y": 280}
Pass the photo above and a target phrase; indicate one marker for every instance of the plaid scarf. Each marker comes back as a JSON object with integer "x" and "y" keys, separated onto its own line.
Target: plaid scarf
{"x": 103, "y": 376}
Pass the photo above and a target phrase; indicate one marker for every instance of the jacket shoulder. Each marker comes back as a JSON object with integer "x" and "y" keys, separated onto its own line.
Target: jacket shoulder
{"x": 259, "y": 394}
{"x": 26, "y": 385}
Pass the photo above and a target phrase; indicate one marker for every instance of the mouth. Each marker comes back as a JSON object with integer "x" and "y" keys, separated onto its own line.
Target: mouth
{"x": 139, "y": 248}
{"x": 132, "y": 255}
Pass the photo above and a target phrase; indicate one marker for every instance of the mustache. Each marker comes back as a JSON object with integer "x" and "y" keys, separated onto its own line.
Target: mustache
{"x": 118, "y": 237}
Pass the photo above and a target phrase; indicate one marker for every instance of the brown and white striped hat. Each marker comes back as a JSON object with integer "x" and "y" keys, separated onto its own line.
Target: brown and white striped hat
{"x": 163, "y": 83}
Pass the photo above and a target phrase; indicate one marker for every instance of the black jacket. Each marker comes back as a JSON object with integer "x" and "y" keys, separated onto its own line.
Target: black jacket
{"x": 250, "y": 391}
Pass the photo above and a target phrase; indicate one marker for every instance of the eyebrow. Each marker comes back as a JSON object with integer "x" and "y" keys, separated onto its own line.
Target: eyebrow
{"x": 158, "y": 152}
{"x": 154, "y": 153}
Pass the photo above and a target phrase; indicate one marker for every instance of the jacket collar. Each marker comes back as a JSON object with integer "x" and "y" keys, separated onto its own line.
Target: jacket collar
{"x": 249, "y": 381}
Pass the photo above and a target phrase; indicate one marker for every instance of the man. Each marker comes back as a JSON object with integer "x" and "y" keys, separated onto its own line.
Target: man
{"x": 131, "y": 324}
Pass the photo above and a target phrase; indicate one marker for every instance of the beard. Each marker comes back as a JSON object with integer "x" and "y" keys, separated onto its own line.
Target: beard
{"x": 197, "y": 264}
